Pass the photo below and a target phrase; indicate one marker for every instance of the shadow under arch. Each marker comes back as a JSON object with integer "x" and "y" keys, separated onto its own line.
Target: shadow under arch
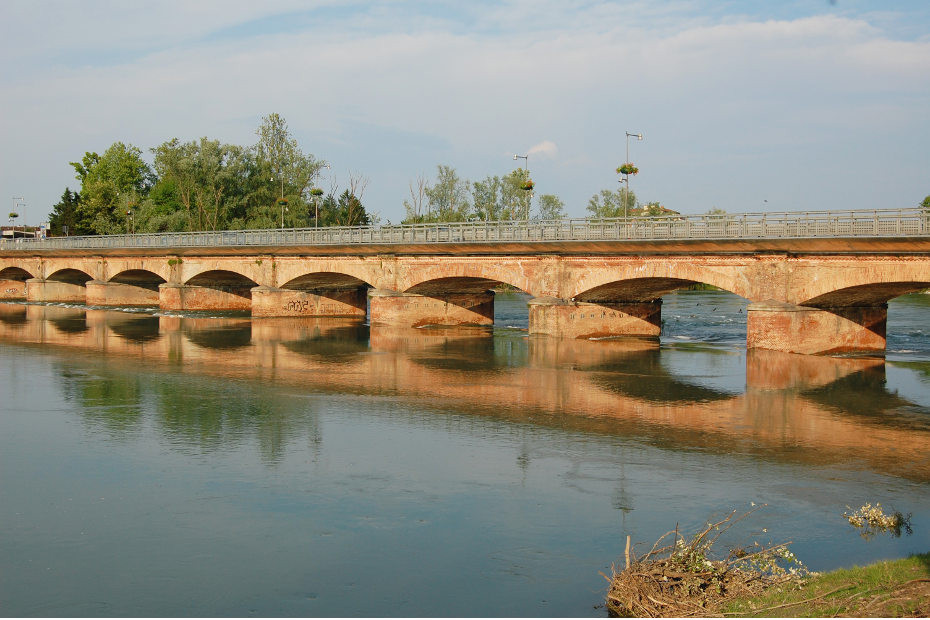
{"x": 71, "y": 276}
{"x": 637, "y": 289}
{"x": 321, "y": 281}
{"x": 140, "y": 278}
{"x": 874, "y": 294}
{"x": 16, "y": 274}
{"x": 224, "y": 281}
{"x": 457, "y": 284}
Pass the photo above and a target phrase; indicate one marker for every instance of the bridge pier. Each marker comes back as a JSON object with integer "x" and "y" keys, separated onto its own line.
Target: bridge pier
{"x": 219, "y": 297}
{"x": 816, "y": 331}
{"x": 576, "y": 319}
{"x": 41, "y": 290}
{"x": 412, "y": 310}
{"x": 100, "y": 293}
{"x": 12, "y": 289}
{"x": 269, "y": 301}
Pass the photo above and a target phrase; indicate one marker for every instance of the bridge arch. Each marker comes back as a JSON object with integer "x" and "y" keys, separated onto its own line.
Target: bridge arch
{"x": 460, "y": 284}
{"x": 220, "y": 278}
{"x": 468, "y": 276}
{"x": 141, "y": 278}
{"x": 325, "y": 280}
{"x": 647, "y": 281}
{"x": 874, "y": 294}
{"x": 70, "y": 276}
{"x": 15, "y": 274}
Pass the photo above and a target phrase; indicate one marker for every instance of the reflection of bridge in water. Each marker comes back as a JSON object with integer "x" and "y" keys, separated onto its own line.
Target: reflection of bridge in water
{"x": 795, "y": 408}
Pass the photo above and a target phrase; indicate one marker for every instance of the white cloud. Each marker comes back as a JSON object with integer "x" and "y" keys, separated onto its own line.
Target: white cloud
{"x": 546, "y": 149}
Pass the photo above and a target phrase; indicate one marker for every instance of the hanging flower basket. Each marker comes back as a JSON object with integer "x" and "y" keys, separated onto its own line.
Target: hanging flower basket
{"x": 627, "y": 168}
{"x": 528, "y": 184}
{"x": 13, "y": 215}
{"x": 282, "y": 202}
{"x": 316, "y": 191}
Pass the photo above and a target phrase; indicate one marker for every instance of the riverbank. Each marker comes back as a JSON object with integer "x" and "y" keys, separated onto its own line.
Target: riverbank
{"x": 893, "y": 588}
{"x": 886, "y": 589}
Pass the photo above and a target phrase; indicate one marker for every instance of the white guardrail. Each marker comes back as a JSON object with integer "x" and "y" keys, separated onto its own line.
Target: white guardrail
{"x": 790, "y": 225}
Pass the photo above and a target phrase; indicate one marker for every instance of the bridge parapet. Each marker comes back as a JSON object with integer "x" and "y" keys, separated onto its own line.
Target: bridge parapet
{"x": 877, "y": 223}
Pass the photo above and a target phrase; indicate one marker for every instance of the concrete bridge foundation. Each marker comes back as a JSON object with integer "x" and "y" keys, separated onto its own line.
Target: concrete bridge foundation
{"x": 412, "y": 310}
{"x": 219, "y": 297}
{"x": 101, "y": 293}
{"x": 12, "y": 289}
{"x": 574, "y": 319}
{"x": 41, "y": 290}
{"x": 816, "y": 331}
{"x": 275, "y": 302}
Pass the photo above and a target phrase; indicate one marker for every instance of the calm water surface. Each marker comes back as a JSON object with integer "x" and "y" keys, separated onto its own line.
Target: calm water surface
{"x": 162, "y": 465}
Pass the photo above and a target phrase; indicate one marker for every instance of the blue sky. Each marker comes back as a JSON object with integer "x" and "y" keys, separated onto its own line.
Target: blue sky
{"x": 745, "y": 106}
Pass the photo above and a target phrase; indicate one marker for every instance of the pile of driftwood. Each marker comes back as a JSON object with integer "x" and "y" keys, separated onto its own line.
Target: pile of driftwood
{"x": 678, "y": 577}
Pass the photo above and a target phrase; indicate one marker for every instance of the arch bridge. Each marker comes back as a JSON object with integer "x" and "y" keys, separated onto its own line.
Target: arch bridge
{"x": 817, "y": 282}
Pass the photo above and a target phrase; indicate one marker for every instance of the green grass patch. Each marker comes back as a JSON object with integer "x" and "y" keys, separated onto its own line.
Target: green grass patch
{"x": 885, "y": 589}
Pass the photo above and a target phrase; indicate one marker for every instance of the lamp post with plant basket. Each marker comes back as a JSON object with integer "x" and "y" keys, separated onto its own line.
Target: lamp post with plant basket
{"x": 627, "y": 169}
{"x": 316, "y": 192}
{"x": 528, "y": 184}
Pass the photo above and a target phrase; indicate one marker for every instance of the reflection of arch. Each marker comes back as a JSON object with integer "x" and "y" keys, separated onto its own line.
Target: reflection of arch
{"x": 230, "y": 336}
{"x": 15, "y": 273}
{"x": 335, "y": 346}
{"x": 221, "y": 278}
{"x": 325, "y": 281}
{"x": 137, "y": 329}
{"x": 71, "y": 276}
{"x": 140, "y": 278}
{"x": 866, "y": 294}
{"x": 643, "y": 376}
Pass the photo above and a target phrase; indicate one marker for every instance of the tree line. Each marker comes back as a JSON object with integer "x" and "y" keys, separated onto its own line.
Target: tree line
{"x": 208, "y": 185}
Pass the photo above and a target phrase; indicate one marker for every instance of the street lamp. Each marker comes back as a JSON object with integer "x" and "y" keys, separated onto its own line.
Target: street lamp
{"x": 528, "y": 186}
{"x": 18, "y": 201}
{"x": 626, "y": 177}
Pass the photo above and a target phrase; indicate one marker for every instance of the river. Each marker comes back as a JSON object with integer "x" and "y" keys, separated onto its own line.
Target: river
{"x": 166, "y": 464}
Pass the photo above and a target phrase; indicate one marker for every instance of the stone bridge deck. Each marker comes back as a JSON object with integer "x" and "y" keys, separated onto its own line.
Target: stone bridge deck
{"x": 824, "y": 293}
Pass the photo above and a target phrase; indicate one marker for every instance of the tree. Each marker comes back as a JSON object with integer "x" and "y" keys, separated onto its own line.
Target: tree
{"x": 515, "y": 200}
{"x": 926, "y": 203}
{"x": 415, "y": 205}
{"x": 110, "y": 183}
{"x": 551, "y": 207}
{"x": 291, "y": 170}
{"x": 447, "y": 197}
{"x": 347, "y": 210}
{"x": 486, "y": 194}
{"x": 610, "y": 203}
{"x": 64, "y": 213}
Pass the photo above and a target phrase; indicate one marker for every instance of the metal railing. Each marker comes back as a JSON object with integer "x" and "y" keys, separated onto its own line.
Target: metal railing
{"x": 791, "y": 225}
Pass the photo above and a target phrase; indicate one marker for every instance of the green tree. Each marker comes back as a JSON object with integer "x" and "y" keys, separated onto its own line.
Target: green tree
{"x": 64, "y": 213}
{"x": 488, "y": 205}
{"x": 347, "y": 210}
{"x": 611, "y": 203}
{"x": 289, "y": 169}
{"x": 551, "y": 207}
{"x": 926, "y": 203}
{"x": 110, "y": 183}
{"x": 448, "y": 198}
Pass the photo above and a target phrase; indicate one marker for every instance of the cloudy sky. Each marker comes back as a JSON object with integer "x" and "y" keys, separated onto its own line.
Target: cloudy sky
{"x": 745, "y": 106}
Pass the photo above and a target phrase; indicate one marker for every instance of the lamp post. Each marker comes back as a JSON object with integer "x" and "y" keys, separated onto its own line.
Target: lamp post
{"x": 19, "y": 209}
{"x": 626, "y": 177}
{"x": 526, "y": 159}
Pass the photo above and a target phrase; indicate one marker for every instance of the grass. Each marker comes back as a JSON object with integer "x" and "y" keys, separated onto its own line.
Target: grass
{"x": 885, "y": 589}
